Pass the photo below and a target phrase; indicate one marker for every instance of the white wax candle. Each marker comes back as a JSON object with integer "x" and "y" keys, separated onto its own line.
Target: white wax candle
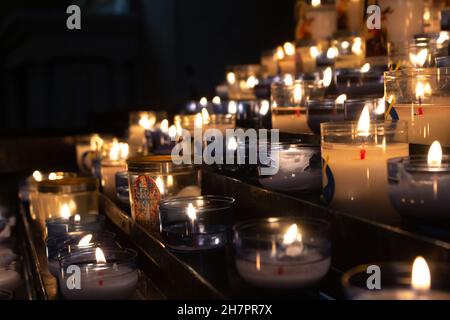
{"x": 263, "y": 271}
{"x": 426, "y": 123}
{"x": 108, "y": 174}
{"x": 110, "y": 284}
{"x": 361, "y": 185}
{"x": 290, "y": 120}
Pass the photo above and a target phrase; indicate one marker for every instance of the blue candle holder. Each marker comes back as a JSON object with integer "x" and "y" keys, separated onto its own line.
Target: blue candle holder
{"x": 86, "y": 223}
{"x": 122, "y": 188}
{"x": 195, "y": 223}
{"x": 324, "y": 110}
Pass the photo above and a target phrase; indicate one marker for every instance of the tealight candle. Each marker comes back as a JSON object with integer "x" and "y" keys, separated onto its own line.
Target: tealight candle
{"x": 139, "y": 122}
{"x": 354, "y": 163}
{"x": 85, "y": 148}
{"x": 105, "y": 274}
{"x": 113, "y": 161}
{"x": 400, "y": 281}
{"x": 195, "y": 223}
{"x": 418, "y": 185}
{"x": 282, "y": 252}
{"x": 360, "y": 82}
{"x": 162, "y": 139}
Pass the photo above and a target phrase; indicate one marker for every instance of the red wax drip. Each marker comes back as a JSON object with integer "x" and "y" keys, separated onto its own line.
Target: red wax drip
{"x": 297, "y": 113}
{"x": 362, "y": 154}
{"x": 420, "y": 111}
{"x": 280, "y": 271}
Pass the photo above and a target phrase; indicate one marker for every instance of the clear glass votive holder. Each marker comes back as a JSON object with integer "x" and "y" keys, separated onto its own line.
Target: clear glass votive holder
{"x": 357, "y": 83}
{"x": 154, "y": 178}
{"x": 61, "y": 245}
{"x": 418, "y": 190}
{"x": 122, "y": 188}
{"x": 253, "y": 114}
{"x": 139, "y": 121}
{"x": 288, "y": 102}
{"x": 84, "y": 223}
{"x": 242, "y": 80}
{"x": 354, "y": 107}
{"x": 323, "y": 110}
{"x": 282, "y": 253}
{"x": 297, "y": 167}
{"x": 415, "y": 53}
{"x": 421, "y": 97}
{"x": 110, "y": 274}
{"x": 196, "y": 223}
{"x": 354, "y": 159}
{"x": 396, "y": 283}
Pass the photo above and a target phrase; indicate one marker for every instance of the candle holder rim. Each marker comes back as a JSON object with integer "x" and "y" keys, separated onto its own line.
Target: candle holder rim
{"x": 349, "y": 127}
{"x": 154, "y": 163}
{"x": 67, "y": 235}
{"x": 417, "y": 72}
{"x": 68, "y": 185}
{"x": 132, "y": 255}
{"x": 70, "y": 220}
{"x": 324, "y": 225}
{"x": 418, "y": 163}
{"x": 227, "y": 202}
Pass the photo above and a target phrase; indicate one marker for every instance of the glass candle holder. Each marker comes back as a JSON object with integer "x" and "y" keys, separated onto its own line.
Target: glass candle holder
{"x": 242, "y": 80}
{"x": 195, "y": 223}
{"x": 354, "y": 107}
{"x": 421, "y": 97}
{"x": 154, "y": 178}
{"x": 105, "y": 274}
{"x": 323, "y": 110}
{"x": 282, "y": 253}
{"x": 113, "y": 160}
{"x": 139, "y": 121}
{"x": 419, "y": 190}
{"x": 253, "y": 114}
{"x": 86, "y": 148}
{"x": 350, "y": 51}
{"x": 61, "y": 245}
{"x": 289, "y": 104}
{"x": 360, "y": 82}
{"x": 396, "y": 283}
{"x": 205, "y": 121}
{"x": 122, "y": 189}
{"x": 84, "y": 223}
{"x": 415, "y": 53}
{"x": 66, "y": 197}
{"x": 354, "y": 164}
{"x": 299, "y": 167}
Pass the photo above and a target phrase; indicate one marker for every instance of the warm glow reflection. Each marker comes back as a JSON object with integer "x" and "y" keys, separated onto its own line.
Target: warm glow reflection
{"x": 252, "y": 82}
{"x": 198, "y": 120}
{"x": 357, "y": 47}
{"x": 205, "y": 116}
{"x": 288, "y": 79}
{"x": 100, "y": 256}
{"x": 37, "y": 176}
{"x": 443, "y": 37}
{"x": 435, "y": 154}
{"x": 85, "y": 241}
{"x": 191, "y": 212}
{"x": 421, "y": 277}
{"x": 418, "y": 60}
{"x": 292, "y": 235}
{"x": 160, "y": 184}
{"x": 64, "y": 212}
{"x": 420, "y": 90}
{"x": 77, "y": 218}
{"x": 364, "y": 122}
{"x": 232, "y": 144}
{"x": 172, "y": 132}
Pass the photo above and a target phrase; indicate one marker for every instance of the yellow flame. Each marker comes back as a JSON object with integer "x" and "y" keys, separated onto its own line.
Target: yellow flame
{"x": 232, "y": 107}
{"x": 216, "y": 100}
{"x": 96, "y": 142}
{"x": 292, "y": 235}
{"x": 364, "y": 122}
{"x": 264, "y": 108}
{"x": 280, "y": 53}
{"x": 327, "y": 76}
{"x": 37, "y": 175}
{"x": 118, "y": 151}
{"x": 77, "y": 218}
{"x": 85, "y": 241}
{"x": 332, "y": 53}
{"x": 341, "y": 99}
{"x": 252, "y": 82}
{"x": 205, "y": 116}
{"x": 314, "y": 52}
{"x": 289, "y": 48}
{"x": 203, "y": 101}
{"x": 64, "y": 212}
{"x": 231, "y": 78}
{"x": 357, "y": 47}
{"x": 419, "y": 59}
{"x": 198, "y": 120}
{"x": 288, "y": 79}
{"x": 147, "y": 122}
{"x": 100, "y": 256}
{"x": 164, "y": 126}
{"x": 169, "y": 181}
{"x": 435, "y": 154}
{"x": 172, "y": 132}
{"x": 421, "y": 277}
{"x": 365, "y": 68}
{"x": 315, "y": 3}
{"x": 298, "y": 92}
{"x": 420, "y": 90}
{"x": 191, "y": 212}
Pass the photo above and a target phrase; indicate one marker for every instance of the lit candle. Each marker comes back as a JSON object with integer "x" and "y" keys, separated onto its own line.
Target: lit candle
{"x": 418, "y": 184}
{"x": 139, "y": 122}
{"x": 354, "y": 164}
{"x": 85, "y": 151}
{"x": 282, "y": 252}
{"x": 111, "y": 164}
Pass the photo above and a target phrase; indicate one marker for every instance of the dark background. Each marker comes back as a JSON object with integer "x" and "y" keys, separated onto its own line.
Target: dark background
{"x": 130, "y": 54}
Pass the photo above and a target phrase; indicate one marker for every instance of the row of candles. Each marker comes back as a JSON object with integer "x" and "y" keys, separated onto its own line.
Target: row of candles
{"x": 281, "y": 253}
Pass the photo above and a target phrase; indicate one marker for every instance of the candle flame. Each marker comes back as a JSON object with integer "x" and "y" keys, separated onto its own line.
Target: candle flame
{"x": 252, "y": 82}
{"x": 421, "y": 277}
{"x": 332, "y": 52}
{"x": 289, "y": 48}
{"x": 64, "y": 212}
{"x": 364, "y": 122}
{"x": 216, "y": 100}
{"x": 198, "y": 120}
{"x": 315, "y": 3}
{"x": 205, "y": 116}
{"x": 443, "y": 36}
{"x": 420, "y": 90}
{"x": 419, "y": 59}
{"x": 288, "y": 79}
{"x": 203, "y": 101}
{"x": 232, "y": 107}
{"x": 298, "y": 92}
{"x": 172, "y": 132}
{"x": 357, "y": 47}
{"x": 191, "y": 212}
{"x": 99, "y": 255}
{"x": 118, "y": 151}
{"x": 96, "y": 142}
{"x": 435, "y": 154}
{"x": 147, "y": 122}
{"x": 327, "y": 76}
{"x": 280, "y": 53}
{"x": 85, "y": 241}
{"x": 77, "y": 218}
{"x": 264, "y": 108}
{"x": 292, "y": 235}
{"x": 231, "y": 78}
{"x": 37, "y": 175}
{"x": 365, "y": 68}
{"x": 164, "y": 126}
{"x": 314, "y": 52}
{"x": 341, "y": 99}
